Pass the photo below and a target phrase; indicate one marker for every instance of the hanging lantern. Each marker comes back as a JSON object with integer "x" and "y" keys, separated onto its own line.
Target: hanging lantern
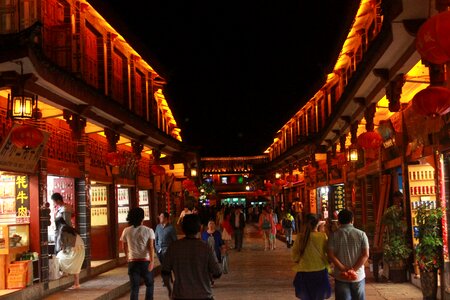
{"x": 433, "y": 39}
{"x": 26, "y": 136}
{"x": 187, "y": 184}
{"x": 268, "y": 185}
{"x": 115, "y": 159}
{"x": 290, "y": 178}
{"x": 352, "y": 153}
{"x": 432, "y": 102}
{"x": 385, "y": 129}
{"x": 370, "y": 140}
{"x": 157, "y": 170}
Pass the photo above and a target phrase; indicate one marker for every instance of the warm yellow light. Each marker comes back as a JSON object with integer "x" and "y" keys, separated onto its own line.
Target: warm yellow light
{"x": 22, "y": 107}
{"x": 193, "y": 172}
{"x": 352, "y": 154}
{"x": 277, "y": 175}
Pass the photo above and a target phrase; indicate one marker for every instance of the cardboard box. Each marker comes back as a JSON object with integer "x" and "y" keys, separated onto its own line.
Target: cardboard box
{"x": 17, "y": 276}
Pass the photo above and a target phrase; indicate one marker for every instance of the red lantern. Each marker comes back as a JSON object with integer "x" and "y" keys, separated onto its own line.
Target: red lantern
{"x": 370, "y": 140}
{"x": 433, "y": 38}
{"x": 188, "y": 184}
{"x": 115, "y": 159}
{"x": 268, "y": 185}
{"x": 432, "y": 102}
{"x": 157, "y": 170}
{"x": 290, "y": 178}
{"x": 26, "y": 136}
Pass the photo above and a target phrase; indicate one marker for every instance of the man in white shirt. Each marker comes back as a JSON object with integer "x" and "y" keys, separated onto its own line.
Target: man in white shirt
{"x": 138, "y": 243}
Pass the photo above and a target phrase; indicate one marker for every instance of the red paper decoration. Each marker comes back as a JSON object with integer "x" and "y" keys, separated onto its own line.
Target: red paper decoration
{"x": 115, "y": 159}
{"x": 433, "y": 38}
{"x": 290, "y": 178}
{"x": 370, "y": 140}
{"x": 268, "y": 185}
{"x": 188, "y": 184}
{"x": 26, "y": 136}
{"x": 432, "y": 102}
{"x": 157, "y": 170}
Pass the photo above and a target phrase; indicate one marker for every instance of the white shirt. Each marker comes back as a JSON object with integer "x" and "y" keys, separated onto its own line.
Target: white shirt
{"x": 137, "y": 239}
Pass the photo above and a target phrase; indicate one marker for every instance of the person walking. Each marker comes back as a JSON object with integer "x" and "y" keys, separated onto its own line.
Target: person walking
{"x": 348, "y": 249}
{"x": 138, "y": 243}
{"x": 310, "y": 255}
{"x": 186, "y": 211}
{"x": 72, "y": 253}
{"x": 214, "y": 239}
{"x": 266, "y": 226}
{"x": 62, "y": 211}
{"x": 165, "y": 234}
{"x": 288, "y": 224}
{"x": 237, "y": 220}
{"x": 191, "y": 261}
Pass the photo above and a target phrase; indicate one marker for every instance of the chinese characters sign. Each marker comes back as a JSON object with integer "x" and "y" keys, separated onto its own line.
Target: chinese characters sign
{"x": 22, "y": 199}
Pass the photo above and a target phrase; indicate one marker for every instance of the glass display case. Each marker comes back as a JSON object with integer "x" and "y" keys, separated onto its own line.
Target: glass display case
{"x": 123, "y": 203}
{"x": 99, "y": 205}
{"x": 14, "y": 238}
{"x": 143, "y": 203}
{"x": 422, "y": 191}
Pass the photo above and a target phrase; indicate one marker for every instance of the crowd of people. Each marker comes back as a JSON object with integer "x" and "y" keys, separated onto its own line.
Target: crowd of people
{"x": 190, "y": 265}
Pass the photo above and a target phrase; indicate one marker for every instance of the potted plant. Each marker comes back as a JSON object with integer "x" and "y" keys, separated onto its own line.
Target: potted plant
{"x": 395, "y": 248}
{"x": 429, "y": 249}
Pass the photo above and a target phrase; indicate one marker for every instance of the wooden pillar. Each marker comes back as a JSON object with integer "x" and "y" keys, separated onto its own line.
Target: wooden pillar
{"x": 137, "y": 150}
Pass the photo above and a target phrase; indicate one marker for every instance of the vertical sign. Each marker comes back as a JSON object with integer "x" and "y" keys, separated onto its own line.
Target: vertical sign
{"x": 443, "y": 206}
{"x": 312, "y": 201}
{"x": 22, "y": 199}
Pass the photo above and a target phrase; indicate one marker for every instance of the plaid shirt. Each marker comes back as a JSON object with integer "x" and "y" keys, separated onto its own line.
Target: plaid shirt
{"x": 347, "y": 244}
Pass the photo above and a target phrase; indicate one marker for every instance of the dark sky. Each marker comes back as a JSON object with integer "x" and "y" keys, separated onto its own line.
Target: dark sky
{"x": 236, "y": 70}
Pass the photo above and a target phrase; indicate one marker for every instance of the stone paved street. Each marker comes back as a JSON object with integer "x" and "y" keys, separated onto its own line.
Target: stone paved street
{"x": 256, "y": 274}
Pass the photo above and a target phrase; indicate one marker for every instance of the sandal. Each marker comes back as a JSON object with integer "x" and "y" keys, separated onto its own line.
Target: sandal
{"x": 74, "y": 287}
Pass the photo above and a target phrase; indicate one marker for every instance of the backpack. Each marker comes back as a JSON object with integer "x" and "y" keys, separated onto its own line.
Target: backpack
{"x": 286, "y": 223}
{"x": 266, "y": 224}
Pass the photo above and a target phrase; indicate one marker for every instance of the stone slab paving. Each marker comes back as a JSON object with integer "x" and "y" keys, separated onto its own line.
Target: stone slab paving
{"x": 258, "y": 274}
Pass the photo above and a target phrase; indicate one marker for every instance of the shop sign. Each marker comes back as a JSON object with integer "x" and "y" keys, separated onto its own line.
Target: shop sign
{"x": 312, "y": 201}
{"x": 13, "y": 158}
{"x": 22, "y": 199}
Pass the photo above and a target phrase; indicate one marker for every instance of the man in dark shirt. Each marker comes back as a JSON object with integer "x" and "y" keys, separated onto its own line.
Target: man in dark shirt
{"x": 192, "y": 261}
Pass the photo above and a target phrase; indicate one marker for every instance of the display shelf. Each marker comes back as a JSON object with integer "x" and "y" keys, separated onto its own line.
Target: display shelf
{"x": 99, "y": 207}
{"x": 10, "y": 243}
{"x": 422, "y": 191}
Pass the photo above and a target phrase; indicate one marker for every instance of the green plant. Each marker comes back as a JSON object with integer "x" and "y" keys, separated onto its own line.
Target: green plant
{"x": 395, "y": 247}
{"x": 429, "y": 248}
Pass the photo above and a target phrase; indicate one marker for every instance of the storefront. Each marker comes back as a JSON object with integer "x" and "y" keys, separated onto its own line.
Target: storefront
{"x": 19, "y": 259}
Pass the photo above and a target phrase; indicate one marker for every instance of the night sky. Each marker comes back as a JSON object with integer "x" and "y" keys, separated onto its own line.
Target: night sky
{"x": 237, "y": 71}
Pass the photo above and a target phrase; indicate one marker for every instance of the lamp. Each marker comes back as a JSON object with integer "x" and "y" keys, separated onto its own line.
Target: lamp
{"x": 277, "y": 175}
{"x": 21, "y": 105}
{"x": 193, "y": 172}
{"x": 352, "y": 153}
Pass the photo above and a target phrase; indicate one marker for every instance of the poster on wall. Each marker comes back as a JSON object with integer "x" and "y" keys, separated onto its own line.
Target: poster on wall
{"x": 14, "y": 158}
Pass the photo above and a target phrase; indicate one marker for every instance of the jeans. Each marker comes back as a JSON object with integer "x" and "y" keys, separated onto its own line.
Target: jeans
{"x": 136, "y": 271}
{"x": 238, "y": 237}
{"x": 288, "y": 233}
{"x": 350, "y": 290}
